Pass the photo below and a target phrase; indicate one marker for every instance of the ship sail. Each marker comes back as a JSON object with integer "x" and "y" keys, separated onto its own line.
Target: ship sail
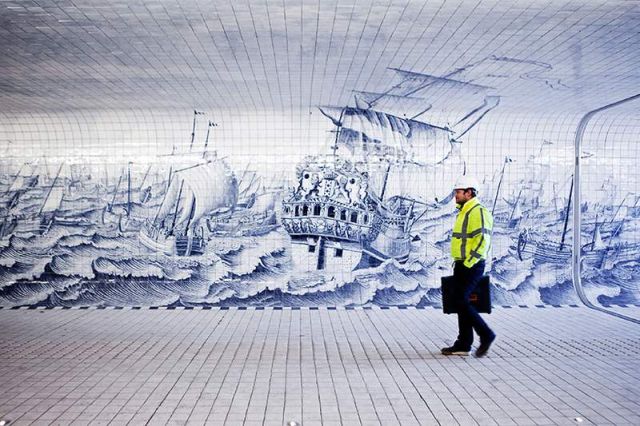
{"x": 598, "y": 244}
{"x": 197, "y": 191}
{"x": 18, "y": 184}
{"x": 53, "y": 200}
{"x": 454, "y": 105}
{"x": 249, "y": 185}
{"x": 390, "y": 160}
{"x": 186, "y": 210}
{"x": 266, "y": 201}
{"x": 428, "y": 184}
{"x": 368, "y": 132}
{"x": 400, "y": 105}
{"x": 212, "y": 188}
{"x": 444, "y": 94}
{"x": 169, "y": 201}
{"x": 22, "y": 183}
{"x": 413, "y": 130}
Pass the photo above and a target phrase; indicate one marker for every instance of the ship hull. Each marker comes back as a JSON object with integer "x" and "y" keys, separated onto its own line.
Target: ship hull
{"x": 311, "y": 253}
{"x": 389, "y": 244}
{"x": 171, "y": 245}
{"x": 333, "y": 209}
{"x": 158, "y": 243}
{"x": 549, "y": 252}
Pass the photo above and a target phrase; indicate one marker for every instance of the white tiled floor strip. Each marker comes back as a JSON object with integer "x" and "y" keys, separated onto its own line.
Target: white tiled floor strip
{"x": 548, "y": 366}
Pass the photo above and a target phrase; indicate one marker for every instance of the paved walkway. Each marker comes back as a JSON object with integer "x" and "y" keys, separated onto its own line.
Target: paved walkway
{"x": 549, "y": 365}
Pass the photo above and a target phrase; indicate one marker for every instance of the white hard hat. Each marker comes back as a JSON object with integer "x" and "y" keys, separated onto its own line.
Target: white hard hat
{"x": 466, "y": 182}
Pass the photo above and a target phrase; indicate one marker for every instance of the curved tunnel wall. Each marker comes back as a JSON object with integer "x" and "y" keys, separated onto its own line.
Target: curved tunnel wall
{"x": 609, "y": 208}
{"x": 79, "y": 187}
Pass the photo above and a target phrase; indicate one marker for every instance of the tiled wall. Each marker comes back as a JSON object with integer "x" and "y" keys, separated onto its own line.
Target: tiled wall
{"x": 121, "y": 208}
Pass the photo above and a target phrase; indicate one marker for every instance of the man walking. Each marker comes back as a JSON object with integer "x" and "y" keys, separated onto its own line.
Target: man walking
{"x": 470, "y": 245}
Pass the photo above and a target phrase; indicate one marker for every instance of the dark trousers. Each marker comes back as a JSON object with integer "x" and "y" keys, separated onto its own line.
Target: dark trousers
{"x": 469, "y": 319}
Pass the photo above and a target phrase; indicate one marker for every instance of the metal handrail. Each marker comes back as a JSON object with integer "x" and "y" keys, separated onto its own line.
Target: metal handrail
{"x": 577, "y": 279}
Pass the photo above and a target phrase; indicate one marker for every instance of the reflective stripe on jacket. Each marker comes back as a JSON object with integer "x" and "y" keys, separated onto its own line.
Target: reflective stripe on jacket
{"x": 471, "y": 237}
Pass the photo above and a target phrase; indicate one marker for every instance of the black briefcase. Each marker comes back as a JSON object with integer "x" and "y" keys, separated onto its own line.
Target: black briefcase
{"x": 480, "y": 298}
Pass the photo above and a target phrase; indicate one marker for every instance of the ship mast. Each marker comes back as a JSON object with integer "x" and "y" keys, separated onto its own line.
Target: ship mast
{"x": 386, "y": 178}
{"x": 515, "y": 205}
{"x": 206, "y": 141}
{"x": 334, "y": 148}
{"x": 566, "y": 215}
{"x": 115, "y": 194}
{"x": 144, "y": 179}
{"x": 499, "y": 184}
{"x": 50, "y": 189}
{"x": 175, "y": 214}
{"x": 619, "y": 227}
{"x": 193, "y": 129}
{"x": 192, "y": 211}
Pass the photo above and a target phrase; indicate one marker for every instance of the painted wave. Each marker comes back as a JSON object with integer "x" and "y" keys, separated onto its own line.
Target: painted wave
{"x": 98, "y": 266}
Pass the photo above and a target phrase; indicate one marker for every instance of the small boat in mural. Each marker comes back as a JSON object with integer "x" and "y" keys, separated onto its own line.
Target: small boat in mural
{"x": 597, "y": 253}
{"x": 23, "y": 182}
{"x": 145, "y": 191}
{"x": 38, "y": 219}
{"x": 256, "y": 218}
{"x": 255, "y": 212}
{"x": 356, "y": 208}
{"x": 51, "y": 204}
{"x": 203, "y": 188}
{"x": 109, "y": 214}
{"x": 261, "y": 217}
{"x": 195, "y": 194}
{"x": 129, "y": 207}
{"x": 529, "y": 243}
{"x": 534, "y": 198}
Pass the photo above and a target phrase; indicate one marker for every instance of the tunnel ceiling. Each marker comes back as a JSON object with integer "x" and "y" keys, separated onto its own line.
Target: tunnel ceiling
{"x": 535, "y": 55}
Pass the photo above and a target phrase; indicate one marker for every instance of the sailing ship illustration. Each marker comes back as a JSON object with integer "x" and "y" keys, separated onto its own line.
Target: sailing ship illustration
{"x": 118, "y": 212}
{"x": 196, "y": 192}
{"x": 614, "y": 237}
{"x": 504, "y": 217}
{"x": 355, "y": 208}
{"x": 38, "y": 219}
{"x": 598, "y": 253}
{"x": 23, "y": 182}
{"x": 534, "y": 199}
{"x": 255, "y": 212}
{"x": 51, "y": 204}
{"x": 131, "y": 201}
{"x": 538, "y": 244}
{"x": 261, "y": 217}
{"x": 145, "y": 190}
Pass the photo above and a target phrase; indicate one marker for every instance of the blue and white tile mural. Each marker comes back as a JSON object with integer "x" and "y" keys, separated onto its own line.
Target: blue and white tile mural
{"x": 357, "y": 213}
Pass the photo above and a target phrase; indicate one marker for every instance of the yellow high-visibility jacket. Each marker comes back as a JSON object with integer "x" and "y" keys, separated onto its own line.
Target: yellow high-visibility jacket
{"x": 471, "y": 239}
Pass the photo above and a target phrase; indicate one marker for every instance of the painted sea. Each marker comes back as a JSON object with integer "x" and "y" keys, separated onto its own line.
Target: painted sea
{"x": 90, "y": 265}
